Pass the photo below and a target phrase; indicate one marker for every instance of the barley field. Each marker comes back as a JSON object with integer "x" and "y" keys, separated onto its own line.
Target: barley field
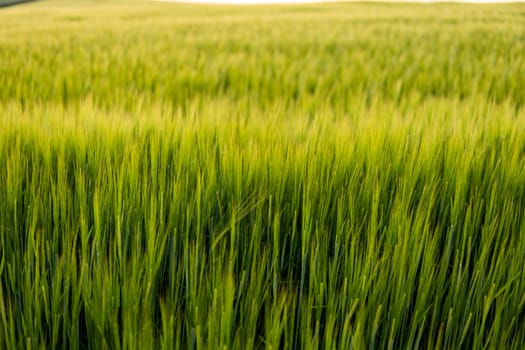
{"x": 330, "y": 176}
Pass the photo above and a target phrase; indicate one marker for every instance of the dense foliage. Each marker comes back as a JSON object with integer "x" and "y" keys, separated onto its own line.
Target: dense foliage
{"x": 321, "y": 176}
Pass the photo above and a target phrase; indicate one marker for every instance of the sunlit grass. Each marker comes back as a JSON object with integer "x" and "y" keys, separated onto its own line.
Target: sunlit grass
{"x": 335, "y": 176}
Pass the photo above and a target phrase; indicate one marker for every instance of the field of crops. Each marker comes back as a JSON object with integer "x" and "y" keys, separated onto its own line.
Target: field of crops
{"x": 212, "y": 177}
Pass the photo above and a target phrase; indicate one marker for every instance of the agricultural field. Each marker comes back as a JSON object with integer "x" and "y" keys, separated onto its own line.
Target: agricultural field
{"x": 343, "y": 175}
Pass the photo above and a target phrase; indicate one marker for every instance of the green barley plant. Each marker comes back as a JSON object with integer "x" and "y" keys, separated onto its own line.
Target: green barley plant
{"x": 346, "y": 175}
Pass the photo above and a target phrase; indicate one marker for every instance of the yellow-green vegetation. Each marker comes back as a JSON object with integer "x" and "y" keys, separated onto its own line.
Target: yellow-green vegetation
{"x": 214, "y": 177}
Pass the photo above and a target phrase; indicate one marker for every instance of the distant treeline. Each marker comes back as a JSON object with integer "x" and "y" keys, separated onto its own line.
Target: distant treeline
{"x": 5, "y": 3}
